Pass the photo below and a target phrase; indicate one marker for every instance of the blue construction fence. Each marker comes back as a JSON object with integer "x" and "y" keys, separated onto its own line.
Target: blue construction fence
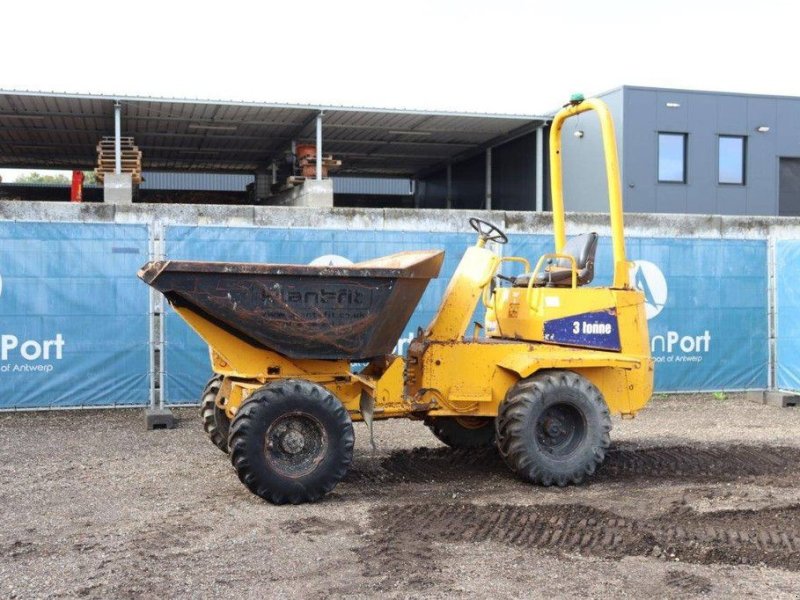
{"x": 75, "y": 328}
{"x": 74, "y": 319}
{"x": 787, "y": 315}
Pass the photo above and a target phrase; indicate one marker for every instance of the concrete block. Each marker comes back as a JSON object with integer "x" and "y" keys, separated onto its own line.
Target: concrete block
{"x": 311, "y": 193}
{"x": 781, "y": 399}
{"x": 117, "y": 189}
{"x": 159, "y": 418}
{"x": 756, "y": 396}
{"x": 316, "y": 194}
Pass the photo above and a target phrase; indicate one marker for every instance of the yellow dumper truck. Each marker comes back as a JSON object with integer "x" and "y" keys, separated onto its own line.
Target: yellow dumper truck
{"x": 539, "y": 380}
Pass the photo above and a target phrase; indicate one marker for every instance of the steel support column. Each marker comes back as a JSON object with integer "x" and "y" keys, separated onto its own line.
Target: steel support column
{"x": 319, "y": 147}
{"x": 540, "y": 169}
{"x": 488, "y": 179}
{"x": 772, "y": 300}
{"x": 117, "y": 136}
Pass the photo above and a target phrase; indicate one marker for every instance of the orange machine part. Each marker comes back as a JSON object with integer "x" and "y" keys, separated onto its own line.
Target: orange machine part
{"x": 306, "y": 151}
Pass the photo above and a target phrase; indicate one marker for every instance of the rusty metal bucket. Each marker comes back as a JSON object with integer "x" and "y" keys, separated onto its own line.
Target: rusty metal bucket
{"x": 353, "y": 312}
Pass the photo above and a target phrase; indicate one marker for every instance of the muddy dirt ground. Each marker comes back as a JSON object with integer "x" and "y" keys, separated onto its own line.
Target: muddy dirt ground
{"x": 698, "y": 496}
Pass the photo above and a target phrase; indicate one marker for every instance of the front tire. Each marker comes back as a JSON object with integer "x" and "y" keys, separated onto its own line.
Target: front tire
{"x": 463, "y": 432}
{"x": 291, "y": 442}
{"x": 553, "y": 428}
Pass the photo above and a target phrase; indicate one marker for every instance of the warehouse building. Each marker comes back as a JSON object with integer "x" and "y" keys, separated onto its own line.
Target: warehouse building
{"x": 240, "y": 152}
{"x": 681, "y": 151}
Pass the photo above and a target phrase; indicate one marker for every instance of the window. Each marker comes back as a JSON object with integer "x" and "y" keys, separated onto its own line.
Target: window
{"x": 732, "y": 159}
{"x": 672, "y": 157}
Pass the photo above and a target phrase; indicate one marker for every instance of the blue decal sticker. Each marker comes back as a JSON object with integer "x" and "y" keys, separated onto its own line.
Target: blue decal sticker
{"x": 592, "y": 330}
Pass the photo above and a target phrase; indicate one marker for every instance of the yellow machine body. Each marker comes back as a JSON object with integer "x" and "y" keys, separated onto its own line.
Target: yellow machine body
{"x": 447, "y": 372}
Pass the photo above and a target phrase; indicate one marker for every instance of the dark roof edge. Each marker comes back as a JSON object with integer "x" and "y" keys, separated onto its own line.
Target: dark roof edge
{"x": 318, "y": 107}
{"x": 645, "y": 88}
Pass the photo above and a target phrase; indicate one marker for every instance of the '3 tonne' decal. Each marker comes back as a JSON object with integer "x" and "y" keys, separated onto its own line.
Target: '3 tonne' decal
{"x": 591, "y": 330}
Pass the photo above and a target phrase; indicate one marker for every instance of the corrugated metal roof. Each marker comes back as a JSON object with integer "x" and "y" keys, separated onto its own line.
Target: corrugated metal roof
{"x": 62, "y": 131}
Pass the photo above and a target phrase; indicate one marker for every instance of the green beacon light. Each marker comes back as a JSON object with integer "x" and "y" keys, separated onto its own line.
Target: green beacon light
{"x": 576, "y": 98}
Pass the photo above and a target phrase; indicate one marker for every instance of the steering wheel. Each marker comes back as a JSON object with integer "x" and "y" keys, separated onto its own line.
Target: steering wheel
{"x": 487, "y": 231}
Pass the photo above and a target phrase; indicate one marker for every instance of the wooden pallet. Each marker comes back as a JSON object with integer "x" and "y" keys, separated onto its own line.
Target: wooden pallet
{"x": 130, "y": 158}
{"x": 327, "y": 161}
{"x": 136, "y": 178}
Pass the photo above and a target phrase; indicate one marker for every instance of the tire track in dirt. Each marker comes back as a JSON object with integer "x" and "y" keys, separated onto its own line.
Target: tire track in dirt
{"x": 714, "y": 463}
{"x": 687, "y": 583}
{"x": 769, "y": 536}
{"x": 708, "y": 464}
{"x": 397, "y": 560}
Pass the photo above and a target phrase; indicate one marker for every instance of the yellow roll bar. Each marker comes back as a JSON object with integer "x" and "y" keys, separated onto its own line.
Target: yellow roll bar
{"x": 621, "y": 266}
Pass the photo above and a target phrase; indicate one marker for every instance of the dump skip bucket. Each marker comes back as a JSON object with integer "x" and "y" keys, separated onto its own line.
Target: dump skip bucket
{"x": 352, "y": 312}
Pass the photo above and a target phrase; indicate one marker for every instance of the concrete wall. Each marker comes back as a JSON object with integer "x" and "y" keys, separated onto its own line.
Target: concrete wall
{"x": 638, "y": 225}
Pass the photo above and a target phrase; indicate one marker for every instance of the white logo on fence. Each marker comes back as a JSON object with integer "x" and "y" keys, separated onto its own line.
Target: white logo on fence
{"x": 649, "y": 279}
{"x": 330, "y": 260}
{"x": 29, "y": 350}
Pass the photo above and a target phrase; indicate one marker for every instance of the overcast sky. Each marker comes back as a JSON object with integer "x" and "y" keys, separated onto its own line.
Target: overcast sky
{"x": 489, "y": 56}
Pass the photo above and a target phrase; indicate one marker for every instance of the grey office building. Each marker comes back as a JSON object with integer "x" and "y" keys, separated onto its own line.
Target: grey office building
{"x": 681, "y": 151}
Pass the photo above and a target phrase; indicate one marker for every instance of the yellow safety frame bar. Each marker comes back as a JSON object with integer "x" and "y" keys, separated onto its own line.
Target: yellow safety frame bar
{"x": 621, "y": 267}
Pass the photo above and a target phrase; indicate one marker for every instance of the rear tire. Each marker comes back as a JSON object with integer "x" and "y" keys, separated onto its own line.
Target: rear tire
{"x": 553, "y": 428}
{"x": 215, "y": 422}
{"x": 463, "y": 432}
{"x": 291, "y": 442}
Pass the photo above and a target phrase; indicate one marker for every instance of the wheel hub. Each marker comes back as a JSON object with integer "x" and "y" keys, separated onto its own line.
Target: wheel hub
{"x": 553, "y": 428}
{"x": 560, "y": 429}
{"x": 292, "y": 442}
{"x": 295, "y": 444}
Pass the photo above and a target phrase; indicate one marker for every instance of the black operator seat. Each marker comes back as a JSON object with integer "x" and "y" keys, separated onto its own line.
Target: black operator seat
{"x": 558, "y": 271}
